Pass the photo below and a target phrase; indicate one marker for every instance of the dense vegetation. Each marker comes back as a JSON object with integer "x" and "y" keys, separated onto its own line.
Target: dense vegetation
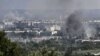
{"x": 8, "y": 48}
{"x": 51, "y": 47}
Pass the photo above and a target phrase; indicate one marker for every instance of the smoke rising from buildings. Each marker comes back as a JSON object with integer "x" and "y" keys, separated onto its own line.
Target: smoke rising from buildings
{"x": 74, "y": 27}
{"x": 83, "y": 23}
{"x": 90, "y": 31}
{"x": 74, "y": 22}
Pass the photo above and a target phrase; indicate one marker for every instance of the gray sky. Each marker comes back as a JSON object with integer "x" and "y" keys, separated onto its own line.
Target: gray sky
{"x": 67, "y": 6}
{"x": 49, "y": 4}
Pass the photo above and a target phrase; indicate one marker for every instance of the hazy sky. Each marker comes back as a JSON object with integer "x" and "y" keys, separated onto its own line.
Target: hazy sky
{"x": 49, "y": 4}
{"x": 42, "y": 6}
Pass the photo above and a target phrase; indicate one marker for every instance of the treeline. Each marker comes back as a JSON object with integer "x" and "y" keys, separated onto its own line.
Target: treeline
{"x": 8, "y": 48}
{"x": 45, "y": 48}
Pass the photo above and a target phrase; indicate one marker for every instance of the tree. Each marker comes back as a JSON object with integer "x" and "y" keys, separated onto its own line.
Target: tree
{"x": 1, "y": 54}
{"x": 45, "y": 52}
{"x": 68, "y": 52}
{"x": 8, "y": 48}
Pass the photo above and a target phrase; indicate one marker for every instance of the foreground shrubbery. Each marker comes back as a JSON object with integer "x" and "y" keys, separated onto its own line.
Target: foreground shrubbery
{"x": 8, "y": 48}
{"x": 45, "y": 48}
{"x": 45, "y": 52}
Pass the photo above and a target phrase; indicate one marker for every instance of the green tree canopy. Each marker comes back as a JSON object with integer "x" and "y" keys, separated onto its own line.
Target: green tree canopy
{"x": 8, "y": 48}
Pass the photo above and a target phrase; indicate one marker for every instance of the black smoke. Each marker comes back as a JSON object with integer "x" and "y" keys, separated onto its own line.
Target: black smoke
{"x": 74, "y": 27}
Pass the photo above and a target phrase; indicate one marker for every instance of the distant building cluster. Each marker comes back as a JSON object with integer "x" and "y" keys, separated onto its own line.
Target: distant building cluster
{"x": 30, "y": 28}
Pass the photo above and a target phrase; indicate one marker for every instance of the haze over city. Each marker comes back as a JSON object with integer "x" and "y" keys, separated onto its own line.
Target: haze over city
{"x": 49, "y": 27}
